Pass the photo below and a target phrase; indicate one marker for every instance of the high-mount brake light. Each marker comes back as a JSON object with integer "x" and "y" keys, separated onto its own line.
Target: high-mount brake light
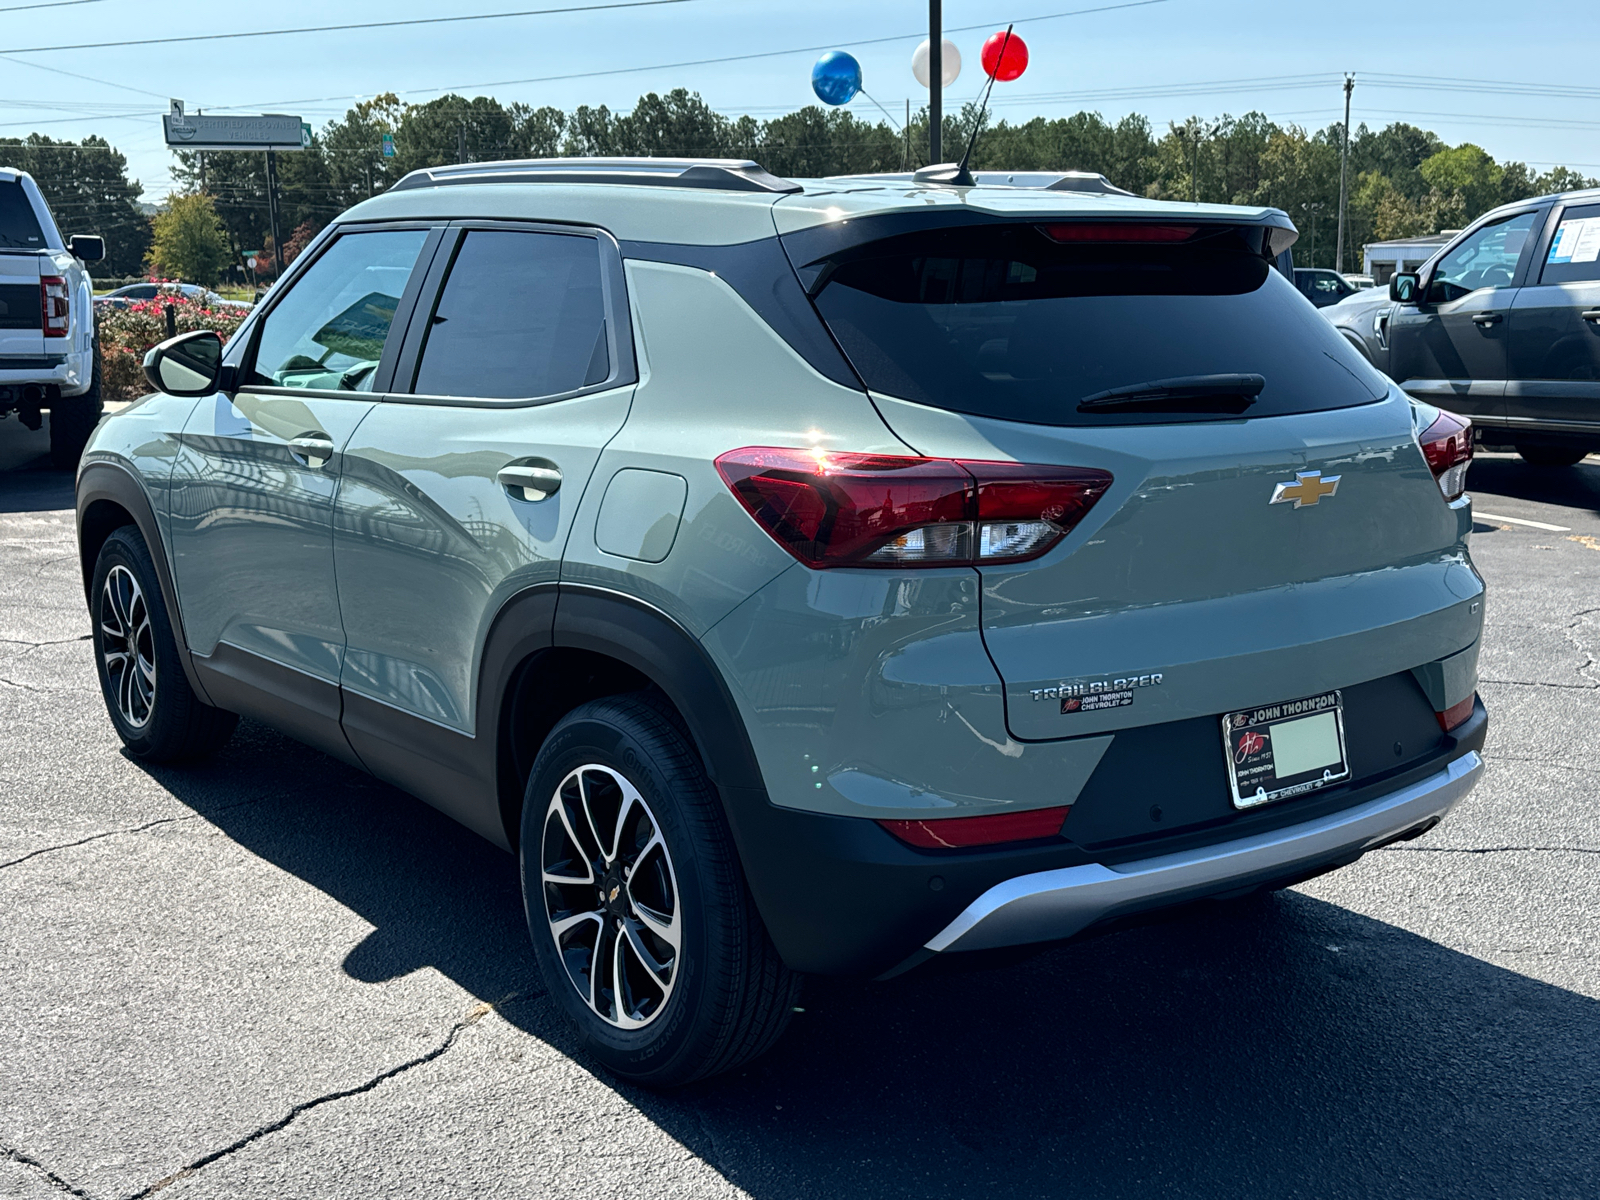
{"x": 56, "y": 305}
{"x": 884, "y": 510}
{"x": 1447, "y": 445}
{"x": 955, "y": 833}
{"x": 1119, "y": 232}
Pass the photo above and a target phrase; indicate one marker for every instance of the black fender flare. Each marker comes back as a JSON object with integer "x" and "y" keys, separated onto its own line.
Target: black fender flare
{"x": 103, "y": 480}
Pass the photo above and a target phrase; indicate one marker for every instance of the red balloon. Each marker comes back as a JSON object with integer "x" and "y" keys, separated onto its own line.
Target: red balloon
{"x": 1012, "y": 65}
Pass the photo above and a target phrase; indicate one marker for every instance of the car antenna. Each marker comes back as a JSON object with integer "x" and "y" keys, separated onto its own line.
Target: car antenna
{"x": 963, "y": 177}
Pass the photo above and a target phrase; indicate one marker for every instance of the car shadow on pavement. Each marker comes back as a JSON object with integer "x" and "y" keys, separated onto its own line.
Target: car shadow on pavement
{"x": 36, "y": 487}
{"x": 1276, "y": 1047}
{"x": 1507, "y": 475}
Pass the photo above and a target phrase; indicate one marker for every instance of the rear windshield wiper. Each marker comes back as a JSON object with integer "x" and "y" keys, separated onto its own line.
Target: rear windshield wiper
{"x": 1223, "y": 394}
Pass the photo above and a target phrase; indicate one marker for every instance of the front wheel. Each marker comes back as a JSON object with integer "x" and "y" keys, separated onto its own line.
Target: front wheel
{"x": 155, "y": 711}
{"x": 1551, "y": 456}
{"x": 645, "y": 932}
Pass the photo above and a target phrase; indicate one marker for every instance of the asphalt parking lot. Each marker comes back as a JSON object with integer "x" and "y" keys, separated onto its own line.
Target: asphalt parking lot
{"x": 272, "y": 976}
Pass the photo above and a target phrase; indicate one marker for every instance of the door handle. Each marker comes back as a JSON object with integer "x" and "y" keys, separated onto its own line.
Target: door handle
{"x": 1591, "y": 315}
{"x": 528, "y": 482}
{"x": 1484, "y": 320}
{"x": 313, "y": 449}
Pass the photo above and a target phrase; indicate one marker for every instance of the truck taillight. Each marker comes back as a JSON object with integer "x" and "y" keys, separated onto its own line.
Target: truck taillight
{"x": 56, "y": 305}
{"x": 1447, "y": 445}
{"x": 885, "y": 510}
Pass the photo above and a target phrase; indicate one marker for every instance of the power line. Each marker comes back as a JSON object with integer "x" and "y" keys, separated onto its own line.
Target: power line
{"x": 49, "y": 4}
{"x": 73, "y": 74}
{"x": 222, "y": 37}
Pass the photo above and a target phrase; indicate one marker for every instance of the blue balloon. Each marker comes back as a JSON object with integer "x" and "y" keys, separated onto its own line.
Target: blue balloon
{"x": 836, "y": 78}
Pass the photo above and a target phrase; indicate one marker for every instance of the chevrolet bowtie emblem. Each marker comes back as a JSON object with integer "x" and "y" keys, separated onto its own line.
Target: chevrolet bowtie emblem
{"x": 1308, "y": 487}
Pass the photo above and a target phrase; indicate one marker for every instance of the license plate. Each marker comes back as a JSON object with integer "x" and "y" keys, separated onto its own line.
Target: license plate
{"x": 1283, "y": 750}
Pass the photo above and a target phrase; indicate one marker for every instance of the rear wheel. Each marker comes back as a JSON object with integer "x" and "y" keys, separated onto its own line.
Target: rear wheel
{"x": 155, "y": 711}
{"x": 645, "y": 932}
{"x": 1551, "y": 456}
{"x": 72, "y": 420}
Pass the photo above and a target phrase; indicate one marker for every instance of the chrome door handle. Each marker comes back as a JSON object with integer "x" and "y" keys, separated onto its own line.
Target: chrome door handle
{"x": 1484, "y": 320}
{"x": 530, "y": 483}
{"x": 1591, "y": 315}
{"x": 314, "y": 449}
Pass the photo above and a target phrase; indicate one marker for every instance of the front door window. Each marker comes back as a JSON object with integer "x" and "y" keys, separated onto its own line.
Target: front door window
{"x": 1487, "y": 259}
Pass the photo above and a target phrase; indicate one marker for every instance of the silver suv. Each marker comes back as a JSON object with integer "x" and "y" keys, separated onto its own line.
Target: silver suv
{"x": 802, "y": 577}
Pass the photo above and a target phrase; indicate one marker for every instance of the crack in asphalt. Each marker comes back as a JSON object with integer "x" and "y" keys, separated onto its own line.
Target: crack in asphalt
{"x": 1543, "y": 762}
{"x": 12, "y": 1154}
{"x": 82, "y": 637}
{"x": 472, "y": 1018}
{"x": 1491, "y": 849}
{"x": 95, "y": 837}
{"x": 1565, "y": 687}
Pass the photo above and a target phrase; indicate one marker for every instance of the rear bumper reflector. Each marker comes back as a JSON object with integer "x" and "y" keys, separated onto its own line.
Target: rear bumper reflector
{"x": 953, "y": 833}
{"x": 1456, "y": 713}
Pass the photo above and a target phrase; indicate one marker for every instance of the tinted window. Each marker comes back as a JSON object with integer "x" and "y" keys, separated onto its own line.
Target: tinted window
{"x": 142, "y": 291}
{"x": 19, "y": 228}
{"x": 1002, "y": 321}
{"x": 329, "y": 330}
{"x": 1574, "y": 253}
{"x": 521, "y": 316}
{"x": 1487, "y": 259}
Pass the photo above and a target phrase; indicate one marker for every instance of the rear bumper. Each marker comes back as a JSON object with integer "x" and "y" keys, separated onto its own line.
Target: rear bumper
{"x": 1058, "y": 904}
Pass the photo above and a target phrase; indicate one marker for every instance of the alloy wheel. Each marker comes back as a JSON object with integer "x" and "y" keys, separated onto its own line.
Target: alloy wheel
{"x": 127, "y": 642}
{"x": 611, "y": 896}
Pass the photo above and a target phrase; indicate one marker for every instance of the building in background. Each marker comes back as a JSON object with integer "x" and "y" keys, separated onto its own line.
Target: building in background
{"x": 1383, "y": 259}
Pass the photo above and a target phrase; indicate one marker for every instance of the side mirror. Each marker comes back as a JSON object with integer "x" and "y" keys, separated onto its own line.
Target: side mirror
{"x": 187, "y": 365}
{"x": 87, "y": 247}
{"x": 1405, "y": 287}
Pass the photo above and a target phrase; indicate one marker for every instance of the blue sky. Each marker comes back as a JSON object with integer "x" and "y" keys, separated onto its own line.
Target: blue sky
{"x": 1167, "y": 60}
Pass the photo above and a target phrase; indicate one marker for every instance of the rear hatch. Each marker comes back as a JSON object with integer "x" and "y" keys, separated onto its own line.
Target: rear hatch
{"x": 21, "y": 245}
{"x": 1174, "y": 358}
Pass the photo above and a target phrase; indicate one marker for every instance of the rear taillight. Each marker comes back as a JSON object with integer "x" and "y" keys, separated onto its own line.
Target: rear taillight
{"x": 953, "y": 833}
{"x": 883, "y": 510}
{"x": 1456, "y": 714}
{"x": 1447, "y": 445}
{"x": 55, "y": 305}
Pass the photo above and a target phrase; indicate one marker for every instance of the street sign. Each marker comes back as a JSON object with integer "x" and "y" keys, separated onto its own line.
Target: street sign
{"x": 271, "y": 132}
{"x": 388, "y": 145}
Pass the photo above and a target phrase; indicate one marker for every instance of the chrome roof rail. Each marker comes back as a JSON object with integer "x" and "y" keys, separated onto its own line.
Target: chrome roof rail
{"x": 716, "y": 174}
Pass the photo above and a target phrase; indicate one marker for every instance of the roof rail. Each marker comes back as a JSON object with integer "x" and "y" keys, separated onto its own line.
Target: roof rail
{"x": 721, "y": 174}
{"x": 1050, "y": 181}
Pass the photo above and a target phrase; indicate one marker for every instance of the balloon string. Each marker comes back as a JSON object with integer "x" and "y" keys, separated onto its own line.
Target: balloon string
{"x": 882, "y": 109}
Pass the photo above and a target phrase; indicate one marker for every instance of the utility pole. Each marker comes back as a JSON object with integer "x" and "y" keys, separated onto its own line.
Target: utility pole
{"x": 461, "y": 143}
{"x": 1344, "y": 170}
{"x": 935, "y": 82}
{"x": 906, "y": 132}
{"x": 272, "y": 211}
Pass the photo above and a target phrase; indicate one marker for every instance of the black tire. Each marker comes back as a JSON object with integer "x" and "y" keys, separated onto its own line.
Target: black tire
{"x": 1551, "y": 456}
{"x": 176, "y": 724}
{"x": 72, "y": 420}
{"x": 727, "y": 996}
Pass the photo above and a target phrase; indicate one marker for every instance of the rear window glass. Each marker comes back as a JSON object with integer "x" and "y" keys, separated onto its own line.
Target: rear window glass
{"x": 1574, "y": 254}
{"x": 1004, "y": 321}
{"x": 19, "y": 228}
{"x": 522, "y": 316}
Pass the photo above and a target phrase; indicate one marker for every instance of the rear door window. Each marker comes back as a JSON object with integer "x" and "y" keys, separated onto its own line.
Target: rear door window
{"x": 521, "y": 316}
{"x": 1005, "y": 320}
{"x": 1574, "y": 254}
{"x": 19, "y": 227}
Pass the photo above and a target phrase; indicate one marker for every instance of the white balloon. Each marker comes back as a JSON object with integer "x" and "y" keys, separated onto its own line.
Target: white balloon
{"x": 949, "y": 65}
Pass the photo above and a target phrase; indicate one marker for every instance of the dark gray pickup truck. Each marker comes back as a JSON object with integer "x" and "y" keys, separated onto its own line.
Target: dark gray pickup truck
{"x": 1502, "y": 325}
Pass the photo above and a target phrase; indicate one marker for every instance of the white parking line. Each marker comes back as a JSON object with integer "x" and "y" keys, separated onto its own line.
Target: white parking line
{"x": 1520, "y": 521}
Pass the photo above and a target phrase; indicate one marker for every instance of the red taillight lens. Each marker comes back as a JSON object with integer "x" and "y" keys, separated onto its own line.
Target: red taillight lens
{"x": 1119, "y": 233}
{"x": 953, "y": 833}
{"x": 1456, "y": 714}
{"x": 56, "y": 306}
{"x": 883, "y": 510}
{"x": 1447, "y": 445}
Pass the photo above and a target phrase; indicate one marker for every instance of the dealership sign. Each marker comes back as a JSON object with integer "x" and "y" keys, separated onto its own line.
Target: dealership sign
{"x": 195, "y": 131}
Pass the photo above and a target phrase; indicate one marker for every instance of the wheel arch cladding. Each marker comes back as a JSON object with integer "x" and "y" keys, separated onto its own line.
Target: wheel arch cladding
{"x": 109, "y": 498}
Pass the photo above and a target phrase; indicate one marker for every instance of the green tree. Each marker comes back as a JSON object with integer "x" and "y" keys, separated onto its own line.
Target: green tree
{"x": 87, "y": 187}
{"x": 190, "y": 243}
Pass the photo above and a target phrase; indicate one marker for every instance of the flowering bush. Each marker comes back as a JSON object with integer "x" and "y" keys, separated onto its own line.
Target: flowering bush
{"x": 126, "y": 333}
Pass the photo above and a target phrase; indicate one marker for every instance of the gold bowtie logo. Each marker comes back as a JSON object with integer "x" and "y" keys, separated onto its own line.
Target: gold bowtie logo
{"x": 1308, "y": 487}
{"x": 615, "y": 888}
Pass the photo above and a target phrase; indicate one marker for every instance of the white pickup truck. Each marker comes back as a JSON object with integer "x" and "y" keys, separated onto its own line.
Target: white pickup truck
{"x": 49, "y": 355}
